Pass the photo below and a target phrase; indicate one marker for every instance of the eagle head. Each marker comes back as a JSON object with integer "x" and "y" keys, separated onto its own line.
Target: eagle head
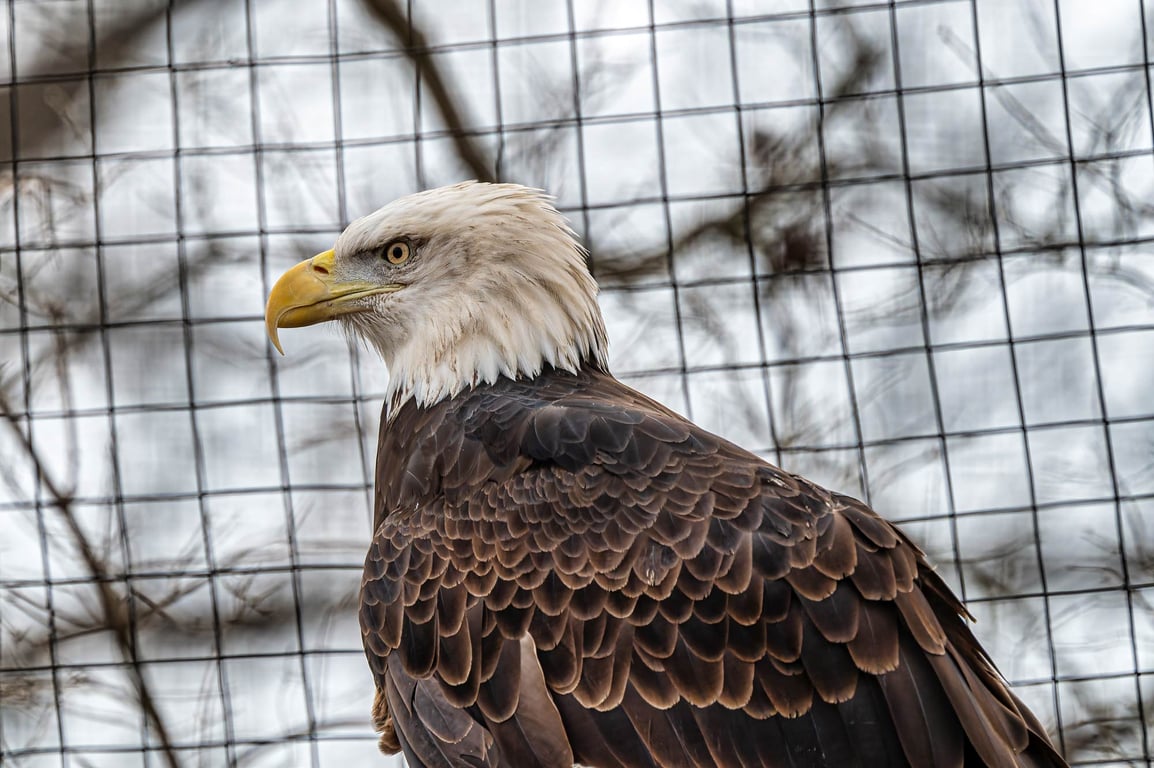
{"x": 455, "y": 287}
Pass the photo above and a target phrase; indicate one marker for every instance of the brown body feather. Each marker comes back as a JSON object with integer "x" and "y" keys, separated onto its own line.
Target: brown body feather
{"x": 565, "y": 571}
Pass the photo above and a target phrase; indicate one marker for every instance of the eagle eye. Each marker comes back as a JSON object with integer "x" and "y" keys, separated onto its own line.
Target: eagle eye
{"x": 397, "y": 252}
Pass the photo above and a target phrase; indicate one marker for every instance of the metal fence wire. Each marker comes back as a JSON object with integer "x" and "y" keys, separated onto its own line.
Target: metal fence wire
{"x": 903, "y": 248}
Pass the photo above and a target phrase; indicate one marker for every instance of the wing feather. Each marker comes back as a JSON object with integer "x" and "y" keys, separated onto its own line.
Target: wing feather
{"x": 565, "y": 571}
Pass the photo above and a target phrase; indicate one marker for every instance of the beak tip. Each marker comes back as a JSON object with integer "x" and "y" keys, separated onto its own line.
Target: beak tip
{"x": 273, "y": 336}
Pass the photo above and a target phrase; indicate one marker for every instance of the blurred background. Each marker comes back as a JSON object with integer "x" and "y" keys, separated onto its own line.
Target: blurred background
{"x": 903, "y": 248}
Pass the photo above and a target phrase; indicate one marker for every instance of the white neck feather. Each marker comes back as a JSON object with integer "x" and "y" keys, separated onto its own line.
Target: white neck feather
{"x": 487, "y": 343}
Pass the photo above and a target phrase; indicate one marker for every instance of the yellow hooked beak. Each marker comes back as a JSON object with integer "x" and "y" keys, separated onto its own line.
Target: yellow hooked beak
{"x": 308, "y": 294}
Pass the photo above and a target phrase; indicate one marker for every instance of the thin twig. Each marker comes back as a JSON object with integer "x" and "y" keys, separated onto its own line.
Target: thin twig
{"x": 416, "y": 47}
{"x": 110, "y": 604}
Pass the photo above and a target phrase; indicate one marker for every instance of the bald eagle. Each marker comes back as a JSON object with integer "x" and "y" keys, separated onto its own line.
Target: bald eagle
{"x": 564, "y": 571}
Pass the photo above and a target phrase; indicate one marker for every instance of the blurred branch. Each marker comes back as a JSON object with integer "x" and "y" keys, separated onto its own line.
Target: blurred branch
{"x": 110, "y": 604}
{"x": 416, "y": 46}
{"x": 116, "y": 38}
{"x": 780, "y": 164}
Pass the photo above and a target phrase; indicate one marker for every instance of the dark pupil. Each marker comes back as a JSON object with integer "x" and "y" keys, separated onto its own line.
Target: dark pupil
{"x": 396, "y": 252}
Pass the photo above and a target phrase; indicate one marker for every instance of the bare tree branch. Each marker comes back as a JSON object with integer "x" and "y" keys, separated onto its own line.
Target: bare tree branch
{"x": 111, "y": 605}
{"x": 416, "y": 46}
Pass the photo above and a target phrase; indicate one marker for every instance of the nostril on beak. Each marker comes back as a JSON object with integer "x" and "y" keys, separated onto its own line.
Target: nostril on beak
{"x": 319, "y": 269}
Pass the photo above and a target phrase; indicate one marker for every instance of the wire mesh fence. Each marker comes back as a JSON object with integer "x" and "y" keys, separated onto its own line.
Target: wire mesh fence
{"x": 903, "y": 248}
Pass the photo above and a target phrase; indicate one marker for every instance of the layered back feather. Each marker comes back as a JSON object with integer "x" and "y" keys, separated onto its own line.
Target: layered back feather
{"x": 565, "y": 571}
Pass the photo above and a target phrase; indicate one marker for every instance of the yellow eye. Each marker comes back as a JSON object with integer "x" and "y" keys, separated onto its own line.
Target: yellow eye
{"x": 397, "y": 252}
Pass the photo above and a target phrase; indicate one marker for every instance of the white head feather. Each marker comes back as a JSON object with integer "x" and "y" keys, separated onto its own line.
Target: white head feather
{"x": 496, "y": 286}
